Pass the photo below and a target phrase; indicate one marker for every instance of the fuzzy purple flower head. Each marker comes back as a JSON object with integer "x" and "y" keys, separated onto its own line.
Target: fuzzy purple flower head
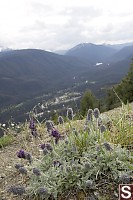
{"x": 42, "y": 146}
{"x": 32, "y": 124}
{"x": 57, "y": 163}
{"x": 56, "y": 135}
{"x": 70, "y": 114}
{"x": 21, "y": 154}
{"x": 60, "y": 120}
{"x": 47, "y": 146}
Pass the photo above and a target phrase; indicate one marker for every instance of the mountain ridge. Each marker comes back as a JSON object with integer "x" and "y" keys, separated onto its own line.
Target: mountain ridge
{"x": 28, "y": 73}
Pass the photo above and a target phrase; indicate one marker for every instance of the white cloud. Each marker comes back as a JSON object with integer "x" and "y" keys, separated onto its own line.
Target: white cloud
{"x": 58, "y": 24}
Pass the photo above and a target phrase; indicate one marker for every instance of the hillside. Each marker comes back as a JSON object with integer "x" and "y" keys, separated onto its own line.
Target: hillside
{"x": 28, "y": 73}
{"x": 121, "y": 122}
{"x": 91, "y": 52}
{"x": 31, "y": 76}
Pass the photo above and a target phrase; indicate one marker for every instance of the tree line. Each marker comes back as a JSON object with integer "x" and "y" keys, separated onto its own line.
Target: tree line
{"x": 120, "y": 93}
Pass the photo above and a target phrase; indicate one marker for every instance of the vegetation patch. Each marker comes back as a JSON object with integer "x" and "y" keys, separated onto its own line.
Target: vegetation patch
{"x": 82, "y": 159}
{"x": 6, "y": 140}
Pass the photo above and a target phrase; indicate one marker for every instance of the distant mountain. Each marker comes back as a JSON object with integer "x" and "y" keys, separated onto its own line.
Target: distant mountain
{"x": 91, "y": 52}
{"x": 120, "y": 46}
{"x": 27, "y": 73}
{"x": 122, "y": 54}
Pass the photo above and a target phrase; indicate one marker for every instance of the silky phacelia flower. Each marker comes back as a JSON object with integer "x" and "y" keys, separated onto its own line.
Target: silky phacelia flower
{"x": 36, "y": 172}
{"x": 24, "y": 155}
{"x": 125, "y": 179}
{"x": 32, "y": 124}
{"x": 56, "y": 135}
{"x": 89, "y": 184}
{"x": 49, "y": 125}
{"x": 57, "y": 163}
{"x": 100, "y": 122}
{"x": 107, "y": 146}
{"x": 48, "y": 147}
{"x": 89, "y": 115}
{"x": 42, "y": 191}
{"x": 16, "y": 190}
{"x": 33, "y": 128}
{"x": 42, "y": 146}
{"x": 28, "y": 157}
{"x": 60, "y": 120}
{"x": 45, "y": 151}
{"x": 34, "y": 133}
{"x": 23, "y": 170}
{"x": 96, "y": 113}
{"x": 21, "y": 154}
{"x": 70, "y": 113}
{"x": 102, "y": 128}
{"x": 17, "y": 166}
{"x": 87, "y": 129}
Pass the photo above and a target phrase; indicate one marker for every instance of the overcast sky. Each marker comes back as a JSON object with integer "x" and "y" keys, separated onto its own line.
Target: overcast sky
{"x": 62, "y": 24}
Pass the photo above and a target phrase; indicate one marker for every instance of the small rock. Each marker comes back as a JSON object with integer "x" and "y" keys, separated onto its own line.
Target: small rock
{"x": 3, "y": 175}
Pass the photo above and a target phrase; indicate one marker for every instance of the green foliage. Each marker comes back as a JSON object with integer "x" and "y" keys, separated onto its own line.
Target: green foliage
{"x": 6, "y": 140}
{"x": 124, "y": 91}
{"x": 84, "y": 161}
{"x": 88, "y": 101}
{"x": 121, "y": 130}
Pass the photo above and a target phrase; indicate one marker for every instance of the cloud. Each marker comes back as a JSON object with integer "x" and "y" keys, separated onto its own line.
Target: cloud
{"x": 58, "y": 24}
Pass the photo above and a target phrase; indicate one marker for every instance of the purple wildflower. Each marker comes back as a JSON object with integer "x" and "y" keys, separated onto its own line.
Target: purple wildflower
{"x": 32, "y": 124}
{"x": 42, "y": 146}
{"x": 28, "y": 157}
{"x": 34, "y": 132}
{"x": 89, "y": 115}
{"x": 125, "y": 178}
{"x": 45, "y": 151}
{"x": 107, "y": 146}
{"x": 25, "y": 155}
{"x": 33, "y": 128}
{"x": 49, "y": 147}
{"x": 87, "y": 129}
{"x": 70, "y": 113}
{"x": 56, "y": 135}
{"x": 21, "y": 154}
{"x": 42, "y": 191}
{"x": 22, "y": 170}
{"x": 96, "y": 113}
{"x": 36, "y": 172}
{"x": 99, "y": 121}
{"x": 60, "y": 120}
{"x": 89, "y": 184}
{"x": 17, "y": 166}
{"x": 49, "y": 125}
{"x": 56, "y": 163}
{"x": 16, "y": 190}
{"x": 102, "y": 128}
